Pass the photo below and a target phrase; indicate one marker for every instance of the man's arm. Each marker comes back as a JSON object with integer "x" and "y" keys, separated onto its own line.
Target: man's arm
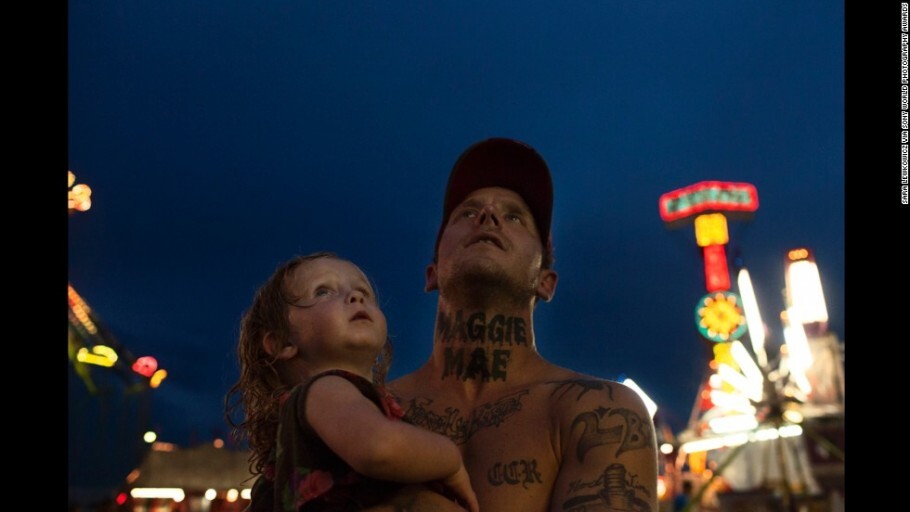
{"x": 609, "y": 451}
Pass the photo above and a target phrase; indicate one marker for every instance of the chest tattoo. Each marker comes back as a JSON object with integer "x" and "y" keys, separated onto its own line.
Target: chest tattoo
{"x": 455, "y": 425}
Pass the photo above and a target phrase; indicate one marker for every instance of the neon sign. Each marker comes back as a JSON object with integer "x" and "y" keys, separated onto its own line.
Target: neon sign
{"x": 708, "y": 196}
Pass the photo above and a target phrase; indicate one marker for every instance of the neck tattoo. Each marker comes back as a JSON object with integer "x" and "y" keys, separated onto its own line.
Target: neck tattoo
{"x": 499, "y": 330}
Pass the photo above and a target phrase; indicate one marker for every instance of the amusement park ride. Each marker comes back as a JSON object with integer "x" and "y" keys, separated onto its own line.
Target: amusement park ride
{"x": 90, "y": 343}
{"x": 751, "y": 401}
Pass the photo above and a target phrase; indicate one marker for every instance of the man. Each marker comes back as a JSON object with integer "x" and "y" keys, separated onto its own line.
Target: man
{"x": 534, "y": 436}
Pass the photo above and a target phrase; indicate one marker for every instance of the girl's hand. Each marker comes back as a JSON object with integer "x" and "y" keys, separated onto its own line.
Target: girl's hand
{"x": 460, "y": 484}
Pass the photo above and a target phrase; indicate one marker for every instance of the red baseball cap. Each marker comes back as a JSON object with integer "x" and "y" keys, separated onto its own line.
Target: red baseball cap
{"x": 510, "y": 164}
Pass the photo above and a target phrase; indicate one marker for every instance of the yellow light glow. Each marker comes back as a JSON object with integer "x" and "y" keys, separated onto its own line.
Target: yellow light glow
{"x": 105, "y": 351}
{"x": 661, "y": 488}
{"x": 729, "y": 424}
{"x": 246, "y": 494}
{"x": 649, "y": 404}
{"x": 157, "y": 377}
{"x": 666, "y": 448}
{"x": 218, "y": 443}
{"x": 721, "y": 316}
{"x": 174, "y": 493}
{"x": 793, "y": 416}
{"x": 211, "y": 494}
{"x": 70, "y": 179}
{"x": 232, "y": 495}
{"x": 83, "y": 356}
{"x": 804, "y": 292}
{"x": 134, "y": 474}
{"x": 722, "y": 355}
{"x": 79, "y": 197}
{"x": 149, "y": 437}
{"x": 711, "y": 229}
{"x": 753, "y": 318}
{"x": 798, "y": 254}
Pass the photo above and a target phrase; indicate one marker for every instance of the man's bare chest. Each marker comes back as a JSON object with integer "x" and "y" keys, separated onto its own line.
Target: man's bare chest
{"x": 508, "y": 444}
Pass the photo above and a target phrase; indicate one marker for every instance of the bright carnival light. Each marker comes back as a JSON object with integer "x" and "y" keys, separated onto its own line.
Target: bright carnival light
{"x": 753, "y": 317}
{"x": 793, "y": 416}
{"x": 804, "y": 290}
{"x": 232, "y": 495}
{"x": 649, "y": 404}
{"x": 211, "y": 494}
{"x": 714, "y": 443}
{"x": 661, "y": 488}
{"x": 790, "y": 431}
{"x": 731, "y": 402}
{"x": 174, "y": 493}
{"x": 100, "y": 355}
{"x": 799, "y": 356}
{"x": 766, "y": 434}
{"x": 739, "y": 382}
{"x": 749, "y": 368}
{"x": 246, "y": 494}
{"x": 736, "y": 423}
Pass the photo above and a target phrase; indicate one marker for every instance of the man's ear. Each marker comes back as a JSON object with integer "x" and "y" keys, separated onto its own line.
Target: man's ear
{"x": 431, "y": 283}
{"x": 546, "y": 287}
{"x": 276, "y": 349}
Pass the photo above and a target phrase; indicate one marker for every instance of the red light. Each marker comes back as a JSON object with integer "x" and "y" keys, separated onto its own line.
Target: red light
{"x": 121, "y": 498}
{"x": 145, "y": 366}
{"x": 717, "y": 277}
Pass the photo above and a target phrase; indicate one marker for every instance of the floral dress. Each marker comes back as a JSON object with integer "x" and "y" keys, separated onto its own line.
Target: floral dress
{"x": 304, "y": 475}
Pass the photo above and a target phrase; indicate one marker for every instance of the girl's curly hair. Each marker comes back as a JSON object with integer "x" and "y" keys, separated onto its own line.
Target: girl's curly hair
{"x": 259, "y": 388}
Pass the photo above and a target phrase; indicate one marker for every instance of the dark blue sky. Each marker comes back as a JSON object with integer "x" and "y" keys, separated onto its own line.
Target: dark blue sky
{"x": 220, "y": 140}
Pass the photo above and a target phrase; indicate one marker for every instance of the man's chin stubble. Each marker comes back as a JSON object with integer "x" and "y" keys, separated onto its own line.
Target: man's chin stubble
{"x": 482, "y": 287}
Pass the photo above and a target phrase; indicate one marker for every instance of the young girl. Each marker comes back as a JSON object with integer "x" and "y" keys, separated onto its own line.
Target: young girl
{"x": 324, "y": 433}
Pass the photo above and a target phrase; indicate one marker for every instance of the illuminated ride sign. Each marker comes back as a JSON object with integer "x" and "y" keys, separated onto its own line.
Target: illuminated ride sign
{"x": 722, "y": 196}
{"x": 719, "y": 317}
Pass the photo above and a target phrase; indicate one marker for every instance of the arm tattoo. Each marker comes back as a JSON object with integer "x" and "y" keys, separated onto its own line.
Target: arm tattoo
{"x": 521, "y": 471}
{"x": 454, "y": 425}
{"x": 585, "y": 384}
{"x": 634, "y": 433}
{"x": 618, "y": 492}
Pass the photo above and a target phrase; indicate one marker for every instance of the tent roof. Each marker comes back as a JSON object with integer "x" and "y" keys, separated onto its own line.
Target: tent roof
{"x": 199, "y": 468}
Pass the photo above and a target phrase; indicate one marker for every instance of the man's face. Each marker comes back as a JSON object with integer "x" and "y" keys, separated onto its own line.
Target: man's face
{"x": 490, "y": 242}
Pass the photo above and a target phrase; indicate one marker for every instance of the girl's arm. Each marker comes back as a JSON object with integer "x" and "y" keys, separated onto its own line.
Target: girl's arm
{"x": 373, "y": 445}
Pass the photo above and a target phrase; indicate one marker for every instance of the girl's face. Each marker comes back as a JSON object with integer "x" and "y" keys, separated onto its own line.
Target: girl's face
{"x": 333, "y": 311}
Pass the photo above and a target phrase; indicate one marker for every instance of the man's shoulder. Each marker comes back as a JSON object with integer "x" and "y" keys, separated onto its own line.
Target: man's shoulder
{"x": 573, "y": 393}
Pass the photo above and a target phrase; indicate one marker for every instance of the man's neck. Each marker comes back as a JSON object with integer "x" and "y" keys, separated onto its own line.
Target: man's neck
{"x": 481, "y": 348}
